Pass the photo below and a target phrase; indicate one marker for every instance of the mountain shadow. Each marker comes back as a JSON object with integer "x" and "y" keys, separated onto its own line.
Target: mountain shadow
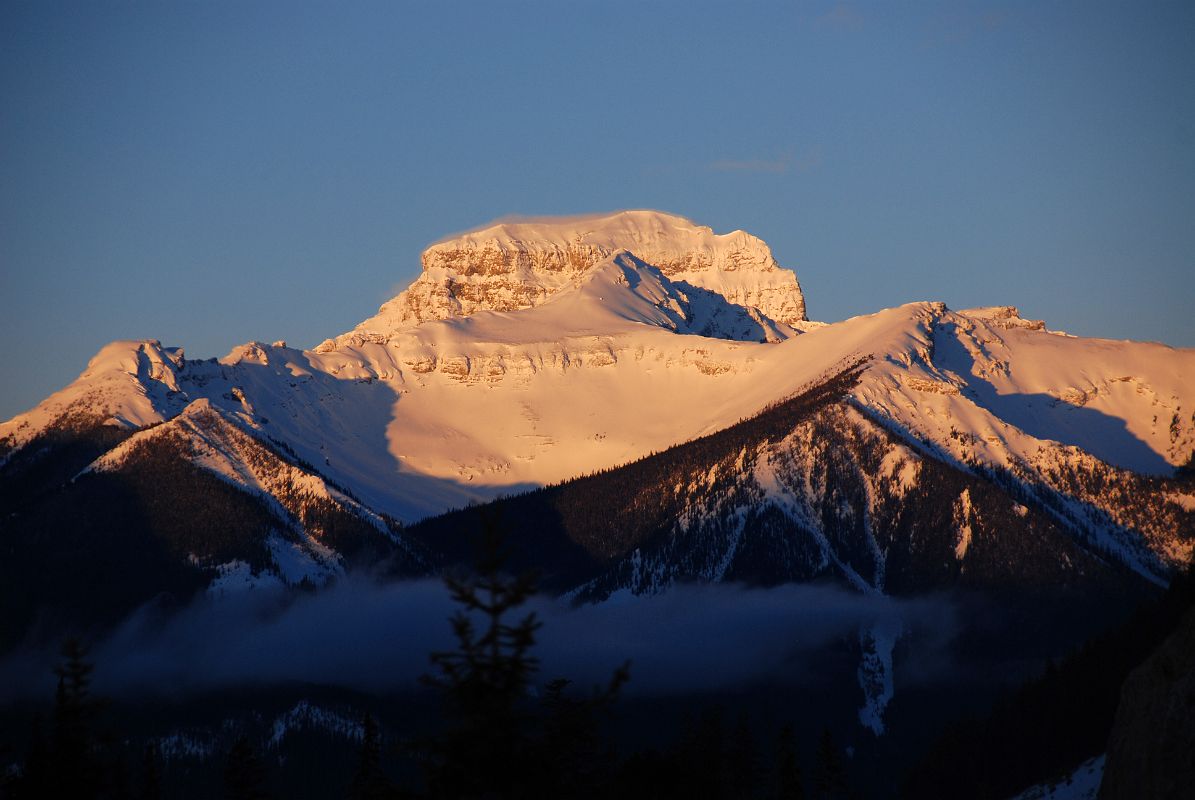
{"x": 1045, "y": 417}
{"x": 810, "y": 489}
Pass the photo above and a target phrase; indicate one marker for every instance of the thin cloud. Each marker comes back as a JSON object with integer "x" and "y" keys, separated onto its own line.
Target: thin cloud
{"x": 775, "y": 166}
{"x": 841, "y": 17}
{"x": 959, "y": 27}
{"x": 535, "y": 219}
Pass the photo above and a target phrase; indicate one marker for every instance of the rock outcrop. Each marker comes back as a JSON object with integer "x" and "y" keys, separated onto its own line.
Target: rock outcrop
{"x": 1151, "y": 752}
{"x": 518, "y": 265}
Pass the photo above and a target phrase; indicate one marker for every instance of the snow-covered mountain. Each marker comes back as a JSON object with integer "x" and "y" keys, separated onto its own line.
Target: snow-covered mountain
{"x": 530, "y": 353}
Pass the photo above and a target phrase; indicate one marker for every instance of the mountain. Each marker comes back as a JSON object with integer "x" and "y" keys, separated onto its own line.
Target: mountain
{"x": 516, "y": 265}
{"x": 907, "y": 450}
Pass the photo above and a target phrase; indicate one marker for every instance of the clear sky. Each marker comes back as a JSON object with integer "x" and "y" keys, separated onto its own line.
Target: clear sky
{"x": 206, "y": 173}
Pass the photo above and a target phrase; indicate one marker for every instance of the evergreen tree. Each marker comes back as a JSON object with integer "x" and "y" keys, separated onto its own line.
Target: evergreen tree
{"x": 742, "y": 760}
{"x": 496, "y": 743}
{"x": 829, "y": 777}
{"x": 151, "y": 773}
{"x": 651, "y": 773}
{"x": 118, "y": 777}
{"x": 703, "y": 755}
{"x": 789, "y": 785}
{"x": 575, "y": 759}
{"x": 72, "y": 762}
{"x": 36, "y": 779}
{"x": 244, "y": 774}
{"x": 76, "y": 768}
{"x": 485, "y": 749}
{"x": 8, "y": 778}
{"x": 369, "y": 781}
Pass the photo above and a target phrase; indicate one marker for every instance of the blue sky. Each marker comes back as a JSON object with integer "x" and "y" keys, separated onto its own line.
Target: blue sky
{"x": 210, "y": 173}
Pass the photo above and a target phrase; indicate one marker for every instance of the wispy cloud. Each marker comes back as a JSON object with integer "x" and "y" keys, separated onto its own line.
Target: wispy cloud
{"x": 776, "y": 167}
{"x": 841, "y": 17}
{"x": 959, "y": 27}
{"x": 773, "y": 166}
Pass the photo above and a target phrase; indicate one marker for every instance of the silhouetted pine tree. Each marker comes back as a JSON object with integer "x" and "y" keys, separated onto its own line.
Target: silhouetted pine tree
{"x": 8, "y": 778}
{"x": 72, "y": 762}
{"x": 829, "y": 776}
{"x": 576, "y": 760}
{"x": 703, "y": 755}
{"x": 118, "y": 777}
{"x": 151, "y": 773}
{"x": 495, "y": 743}
{"x": 77, "y": 771}
{"x": 789, "y": 785}
{"x": 37, "y": 773}
{"x": 485, "y": 748}
{"x": 651, "y": 773}
{"x": 244, "y": 774}
{"x": 742, "y": 760}
{"x": 369, "y": 781}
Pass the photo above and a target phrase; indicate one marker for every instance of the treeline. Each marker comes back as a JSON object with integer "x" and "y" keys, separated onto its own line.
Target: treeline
{"x": 499, "y": 734}
{"x": 81, "y": 551}
{"x": 560, "y": 749}
{"x": 53, "y": 458}
{"x": 580, "y": 531}
{"x": 77, "y": 757}
{"x": 582, "y": 524}
{"x": 85, "y": 553}
{"x": 1055, "y": 722}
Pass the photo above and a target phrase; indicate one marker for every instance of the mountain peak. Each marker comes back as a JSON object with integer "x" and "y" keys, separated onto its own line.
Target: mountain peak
{"x": 628, "y": 227}
{"x": 516, "y": 264}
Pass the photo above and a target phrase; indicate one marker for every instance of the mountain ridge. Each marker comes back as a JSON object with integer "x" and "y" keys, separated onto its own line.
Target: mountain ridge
{"x": 618, "y": 363}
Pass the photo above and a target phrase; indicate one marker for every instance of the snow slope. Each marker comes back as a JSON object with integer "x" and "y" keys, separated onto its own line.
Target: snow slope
{"x": 128, "y": 384}
{"x": 215, "y": 440}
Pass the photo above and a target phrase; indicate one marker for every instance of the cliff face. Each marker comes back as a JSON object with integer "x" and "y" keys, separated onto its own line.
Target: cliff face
{"x": 1151, "y": 752}
{"x": 514, "y": 266}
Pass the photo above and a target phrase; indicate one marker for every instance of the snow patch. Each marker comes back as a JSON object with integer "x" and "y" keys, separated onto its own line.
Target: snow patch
{"x": 963, "y": 514}
{"x": 875, "y": 672}
{"x": 310, "y": 561}
{"x": 193, "y": 745}
{"x": 1082, "y": 784}
{"x": 235, "y": 577}
{"x": 306, "y": 716}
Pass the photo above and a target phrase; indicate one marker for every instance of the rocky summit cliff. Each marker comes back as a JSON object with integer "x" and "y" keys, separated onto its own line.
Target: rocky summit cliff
{"x": 510, "y": 266}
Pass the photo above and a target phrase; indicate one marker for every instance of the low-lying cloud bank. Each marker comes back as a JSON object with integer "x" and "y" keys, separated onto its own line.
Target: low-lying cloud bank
{"x": 377, "y": 637}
